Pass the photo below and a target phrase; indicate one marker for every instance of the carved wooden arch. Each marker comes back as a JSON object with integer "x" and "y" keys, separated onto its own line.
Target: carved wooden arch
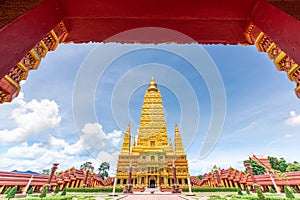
{"x": 272, "y": 31}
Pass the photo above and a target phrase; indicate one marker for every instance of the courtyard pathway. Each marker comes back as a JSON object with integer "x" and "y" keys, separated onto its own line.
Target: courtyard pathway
{"x": 158, "y": 197}
{"x": 154, "y": 197}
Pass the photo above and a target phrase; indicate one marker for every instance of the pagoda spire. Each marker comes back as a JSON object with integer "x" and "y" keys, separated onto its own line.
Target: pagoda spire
{"x": 152, "y": 128}
{"x": 152, "y": 85}
{"x": 178, "y": 142}
{"x": 170, "y": 143}
{"x": 126, "y": 141}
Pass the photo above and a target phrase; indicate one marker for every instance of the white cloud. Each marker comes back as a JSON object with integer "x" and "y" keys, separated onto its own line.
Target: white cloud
{"x": 74, "y": 149}
{"x": 26, "y": 152}
{"x": 31, "y": 118}
{"x": 288, "y": 136}
{"x": 115, "y": 137}
{"x": 294, "y": 120}
{"x": 93, "y": 136}
{"x": 33, "y": 157}
{"x": 42, "y": 155}
{"x": 94, "y": 139}
{"x": 56, "y": 143}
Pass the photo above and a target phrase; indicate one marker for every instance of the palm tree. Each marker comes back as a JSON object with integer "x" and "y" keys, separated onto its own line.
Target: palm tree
{"x": 103, "y": 169}
{"x": 87, "y": 166}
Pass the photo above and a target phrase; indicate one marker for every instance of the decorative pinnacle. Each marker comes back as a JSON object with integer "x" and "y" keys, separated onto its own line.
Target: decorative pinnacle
{"x": 152, "y": 85}
{"x": 176, "y": 128}
{"x": 128, "y": 128}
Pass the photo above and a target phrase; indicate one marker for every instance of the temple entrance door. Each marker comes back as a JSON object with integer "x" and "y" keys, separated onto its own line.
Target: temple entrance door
{"x": 152, "y": 182}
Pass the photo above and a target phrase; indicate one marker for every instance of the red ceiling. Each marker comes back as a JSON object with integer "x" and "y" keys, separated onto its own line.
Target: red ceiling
{"x": 214, "y": 21}
{"x": 207, "y": 22}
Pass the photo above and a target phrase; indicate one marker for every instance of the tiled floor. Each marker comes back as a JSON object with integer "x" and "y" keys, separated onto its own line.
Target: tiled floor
{"x": 154, "y": 197}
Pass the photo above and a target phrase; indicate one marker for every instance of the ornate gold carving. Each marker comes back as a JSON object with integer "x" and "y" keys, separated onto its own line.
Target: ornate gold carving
{"x": 262, "y": 42}
{"x": 12, "y": 82}
{"x": 281, "y": 60}
{"x": 31, "y": 61}
{"x": 3, "y": 96}
{"x": 297, "y": 90}
{"x": 51, "y": 40}
{"x": 273, "y": 51}
{"x": 248, "y": 33}
{"x": 41, "y": 49}
{"x": 294, "y": 73}
{"x": 61, "y": 32}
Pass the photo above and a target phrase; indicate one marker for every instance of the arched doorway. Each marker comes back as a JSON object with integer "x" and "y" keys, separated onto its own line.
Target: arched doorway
{"x": 152, "y": 182}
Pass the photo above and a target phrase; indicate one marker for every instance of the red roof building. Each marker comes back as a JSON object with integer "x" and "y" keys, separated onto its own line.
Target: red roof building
{"x": 234, "y": 178}
{"x": 71, "y": 178}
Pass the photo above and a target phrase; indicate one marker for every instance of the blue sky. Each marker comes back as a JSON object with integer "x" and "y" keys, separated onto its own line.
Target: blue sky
{"x": 76, "y": 106}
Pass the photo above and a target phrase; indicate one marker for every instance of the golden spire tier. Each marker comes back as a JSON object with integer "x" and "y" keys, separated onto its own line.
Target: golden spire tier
{"x": 178, "y": 142}
{"x": 152, "y": 124}
{"x": 126, "y": 141}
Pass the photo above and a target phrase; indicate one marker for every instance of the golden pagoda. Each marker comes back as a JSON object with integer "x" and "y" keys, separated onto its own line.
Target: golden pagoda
{"x": 152, "y": 160}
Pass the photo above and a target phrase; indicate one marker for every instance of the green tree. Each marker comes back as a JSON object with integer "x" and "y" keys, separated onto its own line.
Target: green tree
{"x": 200, "y": 177}
{"x": 256, "y": 168}
{"x": 239, "y": 191}
{"x": 87, "y": 166}
{"x": 44, "y": 192}
{"x": 12, "y": 193}
{"x": 272, "y": 190}
{"x": 293, "y": 167}
{"x": 278, "y": 164}
{"x": 103, "y": 169}
{"x": 64, "y": 192}
{"x": 7, "y": 190}
{"x": 247, "y": 191}
{"x": 282, "y": 165}
{"x": 293, "y": 190}
{"x": 30, "y": 191}
{"x": 56, "y": 190}
{"x": 288, "y": 193}
{"x": 260, "y": 195}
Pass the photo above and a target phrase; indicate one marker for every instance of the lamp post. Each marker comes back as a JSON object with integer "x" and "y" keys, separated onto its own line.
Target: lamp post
{"x": 53, "y": 169}
{"x": 129, "y": 186}
{"x": 130, "y": 167}
{"x": 190, "y": 188}
{"x": 114, "y": 188}
{"x": 87, "y": 175}
{"x": 174, "y": 173}
{"x": 274, "y": 183}
{"x": 130, "y": 172}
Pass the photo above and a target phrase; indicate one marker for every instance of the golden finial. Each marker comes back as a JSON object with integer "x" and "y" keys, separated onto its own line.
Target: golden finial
{"x": 176, "y": 128}
{"x": 152, "y": 85}
{"x": 128, "y": 128}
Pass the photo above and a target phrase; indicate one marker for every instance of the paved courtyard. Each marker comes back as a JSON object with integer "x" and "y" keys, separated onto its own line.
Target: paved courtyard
{"x": 156, "y": 197}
